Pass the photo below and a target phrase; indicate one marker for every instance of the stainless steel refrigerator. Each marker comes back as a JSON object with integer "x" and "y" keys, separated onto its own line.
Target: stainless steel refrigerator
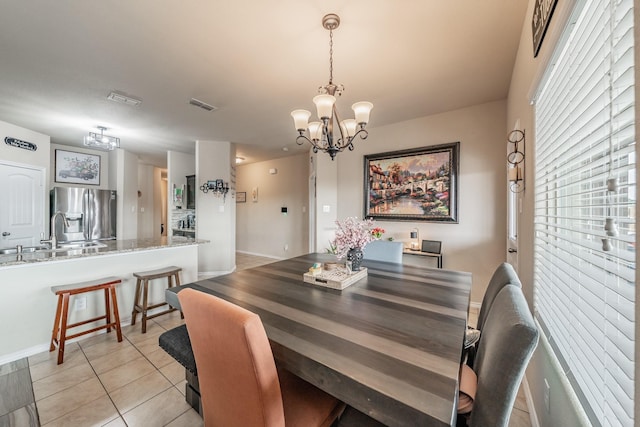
{"x": 91, "y": 213}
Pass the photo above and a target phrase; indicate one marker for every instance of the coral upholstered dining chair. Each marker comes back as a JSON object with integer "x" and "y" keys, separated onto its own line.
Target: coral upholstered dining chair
{"x": 239, "y": 382}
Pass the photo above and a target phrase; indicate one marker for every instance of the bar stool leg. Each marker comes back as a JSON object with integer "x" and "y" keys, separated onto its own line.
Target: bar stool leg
{"x": 136, "y": 303}
{"x": 56, "y": 325}
{"x": 107, "y": 310}
{"x": 144, "y": 305}
{"x": 116, "y": 315}
{"x": 63, "y": 327}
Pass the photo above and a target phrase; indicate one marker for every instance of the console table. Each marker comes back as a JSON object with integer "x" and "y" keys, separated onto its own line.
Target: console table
{"x": 425, "y": 254}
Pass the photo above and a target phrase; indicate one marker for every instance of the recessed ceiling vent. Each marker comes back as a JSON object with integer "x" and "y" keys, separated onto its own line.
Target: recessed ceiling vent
{"x": 124, "y": 99}
{"x": 202, "y": 105}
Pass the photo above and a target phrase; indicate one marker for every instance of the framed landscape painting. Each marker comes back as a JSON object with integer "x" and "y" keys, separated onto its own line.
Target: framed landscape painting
{"x": 413, "y": 185}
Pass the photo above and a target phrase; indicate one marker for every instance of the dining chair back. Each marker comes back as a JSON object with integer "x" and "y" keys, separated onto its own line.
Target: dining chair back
{"x": 507, "y": 343}
{"x": 383, "y": 250}
{"x": 502, "y": 276}
{"x": 239, "y": 382}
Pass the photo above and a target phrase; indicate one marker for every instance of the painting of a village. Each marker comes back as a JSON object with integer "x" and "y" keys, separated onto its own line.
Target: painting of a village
{"x": 413, "y": 184}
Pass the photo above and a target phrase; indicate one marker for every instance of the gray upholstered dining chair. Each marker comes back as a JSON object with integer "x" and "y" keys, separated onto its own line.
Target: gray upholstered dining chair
{"x": 509, "y": 337}
{"x": 383, "y": 250}
{"x": 502, "y": 276}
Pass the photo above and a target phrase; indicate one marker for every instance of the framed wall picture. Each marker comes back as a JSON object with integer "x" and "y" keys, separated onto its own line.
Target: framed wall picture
{"x": 542, "y": 13}
{"x": 413, "y": 185}
{"x": 241, "y": 197}
{"x": 77, "y": 168}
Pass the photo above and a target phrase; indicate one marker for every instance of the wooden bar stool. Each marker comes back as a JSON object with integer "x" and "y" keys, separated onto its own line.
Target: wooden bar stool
{"x": 142, "y": 290}
{"x": 60, "y": 327}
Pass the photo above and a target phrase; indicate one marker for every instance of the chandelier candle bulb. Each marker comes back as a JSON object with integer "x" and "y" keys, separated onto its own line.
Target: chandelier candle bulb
{"x": 315, "y": 131}
{"x": 301, "y": 119}
{"x": 324, "y": 105}
{"x": 362, "y": 111}
{"x": 349, "y": 127}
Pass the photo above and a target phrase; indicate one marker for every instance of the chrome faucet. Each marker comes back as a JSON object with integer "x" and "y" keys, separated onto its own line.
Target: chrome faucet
{"x": 54, "y": 238}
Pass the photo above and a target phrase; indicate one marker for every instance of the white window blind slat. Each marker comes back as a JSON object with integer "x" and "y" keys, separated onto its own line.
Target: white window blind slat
{"x": 584, "y": 293}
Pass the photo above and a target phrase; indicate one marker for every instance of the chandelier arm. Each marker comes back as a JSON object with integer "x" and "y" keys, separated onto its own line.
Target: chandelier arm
{"x": 302, "y": 138}
{"x": 362, "y": 132}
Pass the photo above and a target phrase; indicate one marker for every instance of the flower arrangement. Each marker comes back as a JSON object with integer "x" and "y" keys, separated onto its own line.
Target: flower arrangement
{"x": 377, "y": 232}
{"x": 352, "y": 233}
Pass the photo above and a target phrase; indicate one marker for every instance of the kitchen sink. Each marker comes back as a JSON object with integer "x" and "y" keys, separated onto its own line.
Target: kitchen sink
{"x": 81, "y": 245}
{"x": 69, "y": 246}
{"x": 27, "y": 249}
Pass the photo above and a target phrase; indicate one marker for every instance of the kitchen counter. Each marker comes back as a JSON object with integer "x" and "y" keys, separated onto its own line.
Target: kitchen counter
{"x": 106, "y": 247}
{"x": 25, "y": 285}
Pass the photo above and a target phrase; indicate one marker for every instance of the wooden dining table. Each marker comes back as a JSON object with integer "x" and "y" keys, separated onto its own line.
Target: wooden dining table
{"x": 389, "y": 345}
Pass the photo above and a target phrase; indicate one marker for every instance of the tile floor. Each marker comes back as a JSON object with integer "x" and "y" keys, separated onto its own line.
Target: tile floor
{"x": 106, "y": 383}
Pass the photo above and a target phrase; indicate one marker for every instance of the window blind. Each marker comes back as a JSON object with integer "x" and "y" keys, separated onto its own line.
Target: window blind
{"x": 584, "y": 278}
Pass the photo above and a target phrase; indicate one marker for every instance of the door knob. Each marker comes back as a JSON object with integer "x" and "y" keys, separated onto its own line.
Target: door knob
{"x": 5, "y": 234}
{"x": 512, "y": 251}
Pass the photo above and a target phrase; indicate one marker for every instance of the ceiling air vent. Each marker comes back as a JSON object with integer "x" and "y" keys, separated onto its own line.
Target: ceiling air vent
{"x": 202, "y": 105}
{"x": 124, "y": 99}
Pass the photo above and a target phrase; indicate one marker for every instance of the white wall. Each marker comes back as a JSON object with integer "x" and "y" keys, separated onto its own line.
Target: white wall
{"x": 39, "y": 158}
{"x": 147, "y": 226}
{"x": 478, "y": 242}
{"x": 215, "y": 216}
{"x": 327, "y": 204}
{"x": 127, "y": 193}
{"x": 261, "y": 227}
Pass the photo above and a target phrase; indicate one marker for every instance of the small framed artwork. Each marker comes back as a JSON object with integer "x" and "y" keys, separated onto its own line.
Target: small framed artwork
{"x": 77, "y": 168}
{"x": 413, "y": 185}
{"x": 254, "y": 194}
{"x": 241, "y": 197}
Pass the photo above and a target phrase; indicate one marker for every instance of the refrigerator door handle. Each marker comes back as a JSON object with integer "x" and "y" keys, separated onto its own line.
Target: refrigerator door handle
{"x": 86, "y": 208}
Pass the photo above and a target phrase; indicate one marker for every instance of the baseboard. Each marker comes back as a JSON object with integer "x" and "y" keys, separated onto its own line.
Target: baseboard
{"x": 40, "y": 348}
{"x": 261, "y": 255}
{"x": 27, "y": 352}
{"x": 206, "y": 274}
{"x": 533, "y": 415}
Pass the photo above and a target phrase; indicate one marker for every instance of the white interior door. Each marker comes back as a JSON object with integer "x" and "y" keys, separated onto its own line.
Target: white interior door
{"x": 22, "y": 213}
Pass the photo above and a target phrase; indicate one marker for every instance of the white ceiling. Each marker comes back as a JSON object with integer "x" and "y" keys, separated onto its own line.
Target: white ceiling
{"x": 255, "y": 60}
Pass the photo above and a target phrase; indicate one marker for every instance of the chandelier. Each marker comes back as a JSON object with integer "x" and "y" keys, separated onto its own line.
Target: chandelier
{"x": 321, "y": 134}
{"x": 102, "y": 141}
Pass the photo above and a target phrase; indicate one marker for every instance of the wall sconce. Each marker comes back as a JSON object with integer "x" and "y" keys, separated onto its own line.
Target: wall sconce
{"x": 516, "y": 160}
{"x": 217, "y": 186}
{"x": 415, "y": 234}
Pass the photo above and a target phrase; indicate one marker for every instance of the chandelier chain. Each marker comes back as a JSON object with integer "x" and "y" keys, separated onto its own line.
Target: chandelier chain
{"x": 331, "y": 56}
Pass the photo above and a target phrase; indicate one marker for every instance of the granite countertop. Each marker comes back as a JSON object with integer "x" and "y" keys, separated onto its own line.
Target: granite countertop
{"x": 106, "y": 247}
